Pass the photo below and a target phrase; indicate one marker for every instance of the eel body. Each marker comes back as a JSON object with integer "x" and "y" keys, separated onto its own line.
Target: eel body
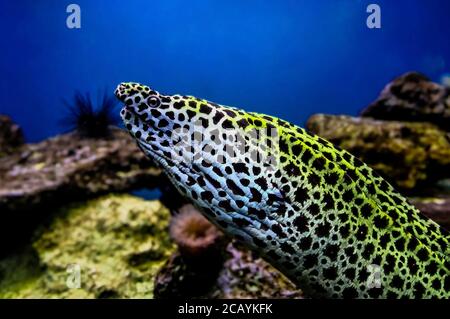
{"x": 318, "y": 214}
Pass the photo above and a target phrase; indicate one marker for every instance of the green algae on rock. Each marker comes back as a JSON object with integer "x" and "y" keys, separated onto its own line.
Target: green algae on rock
{"x": 406, "y": 153}
{"x": 116, "y": 243}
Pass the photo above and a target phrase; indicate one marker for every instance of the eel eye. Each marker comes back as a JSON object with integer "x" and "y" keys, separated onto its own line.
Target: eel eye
{"x": 153, "y": 101}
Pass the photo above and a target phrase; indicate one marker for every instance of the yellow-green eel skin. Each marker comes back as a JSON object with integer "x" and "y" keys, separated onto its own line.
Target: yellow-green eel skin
{"x": 314, "y": 211}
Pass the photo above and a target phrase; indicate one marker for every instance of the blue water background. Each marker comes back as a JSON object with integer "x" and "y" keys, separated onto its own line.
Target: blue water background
{"x": 285, "y": 58}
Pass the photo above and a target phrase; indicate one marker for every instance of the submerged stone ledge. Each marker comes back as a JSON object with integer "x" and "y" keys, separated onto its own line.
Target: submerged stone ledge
{"x": 412, "y": 97}
{"x": 66, "y": 168}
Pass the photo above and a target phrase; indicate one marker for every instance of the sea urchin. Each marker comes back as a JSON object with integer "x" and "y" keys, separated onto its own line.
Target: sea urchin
{"x": 90, "y": 121}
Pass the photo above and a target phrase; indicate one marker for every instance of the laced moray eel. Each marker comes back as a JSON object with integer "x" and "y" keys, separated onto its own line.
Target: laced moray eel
{"x": 318, "y": 214}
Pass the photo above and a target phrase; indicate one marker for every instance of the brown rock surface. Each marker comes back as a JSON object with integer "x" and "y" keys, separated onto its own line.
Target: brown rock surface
{"x": 438, "y": 209}
{"x": 412, "y": 97}
{"x": 66, "y": 168}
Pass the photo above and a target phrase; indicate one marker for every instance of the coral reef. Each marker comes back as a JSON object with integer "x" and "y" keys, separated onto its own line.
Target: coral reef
{"x": 116, "y": 242}
{"x": 405, "y": 153}
{"x": 11, "y": 136}
{"x": 412, "y": 97}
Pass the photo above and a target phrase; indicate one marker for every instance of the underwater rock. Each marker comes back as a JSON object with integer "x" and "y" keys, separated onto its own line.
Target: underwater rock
{"x": 246, "y": 275}
{"x": 437, "y": 209}
{"x": 11, "y": 136}
{"x": 243, "y": 275}
{"x": 412, "y": 97}
{"x": 115, "y": 243}
{"x": 66, "y": 168}
{"x": 407, "y": 154}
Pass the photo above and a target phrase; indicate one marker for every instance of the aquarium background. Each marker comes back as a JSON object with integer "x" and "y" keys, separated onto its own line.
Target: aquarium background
{"x": 86, "y": 214}
{"x": 286, "y": 58}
